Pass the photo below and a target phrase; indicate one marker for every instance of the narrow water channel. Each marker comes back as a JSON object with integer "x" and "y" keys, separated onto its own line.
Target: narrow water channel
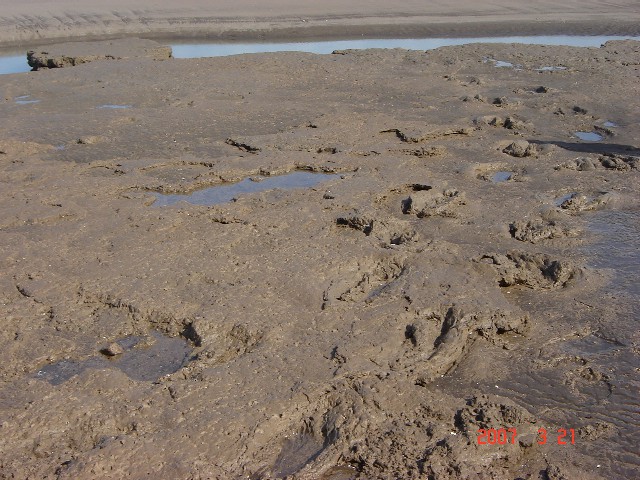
{"x": 15, "y": 62}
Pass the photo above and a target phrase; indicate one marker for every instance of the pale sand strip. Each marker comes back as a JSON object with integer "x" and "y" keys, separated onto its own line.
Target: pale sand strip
{"x": 39, "y": 21}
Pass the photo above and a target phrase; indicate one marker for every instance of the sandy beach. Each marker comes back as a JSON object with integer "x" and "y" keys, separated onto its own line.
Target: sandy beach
{"x": 35, "y": 21}
{"x": 374, "y": 264}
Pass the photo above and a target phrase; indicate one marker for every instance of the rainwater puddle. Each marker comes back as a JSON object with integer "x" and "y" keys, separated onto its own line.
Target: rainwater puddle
{"x": 500, "y": 177}
{"x": 564, "y": 198}
{"x": 228, "y": 193}
{"x": 501, "y": 63}
{"x": 589, "y": 136}
{"x": 113, "y": 107}
{"x": 14, "y": 63}
{"x": 550, "y": 69}
{"x": 610, "y": 124}
{"x": 25, "y": 100}
{"x": 140, "y": 361}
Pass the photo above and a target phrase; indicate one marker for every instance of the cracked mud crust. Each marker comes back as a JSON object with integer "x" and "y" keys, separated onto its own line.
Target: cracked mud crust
{"x": 366, "y": 327}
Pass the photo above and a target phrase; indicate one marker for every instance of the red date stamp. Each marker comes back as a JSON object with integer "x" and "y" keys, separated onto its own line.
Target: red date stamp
{"x": 503, "y": 436}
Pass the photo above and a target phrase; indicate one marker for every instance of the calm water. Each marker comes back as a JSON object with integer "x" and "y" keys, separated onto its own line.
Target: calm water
{"x": 229, "y": 192}
{"x": 12, "y": 62}
{"x": 198, "y": 50}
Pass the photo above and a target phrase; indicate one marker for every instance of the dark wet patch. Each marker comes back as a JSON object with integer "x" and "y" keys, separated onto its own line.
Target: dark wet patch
{"x": 228, "y": 193}
{"x": 340, "y": 473}
{"x": 589, "y": 136}
{"x": 297, "y": 452}
{"x": 143, "y": 359}
{"x": 618, "y": 248}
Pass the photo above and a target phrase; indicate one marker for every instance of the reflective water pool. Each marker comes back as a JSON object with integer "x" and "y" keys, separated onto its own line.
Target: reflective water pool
{"x": 229, "y": 192}
{"x": 198, "y": 50}
{"x": 12, "y": 62}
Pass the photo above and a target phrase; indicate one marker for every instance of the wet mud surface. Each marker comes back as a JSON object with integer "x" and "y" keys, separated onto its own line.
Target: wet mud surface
{"x": 467, "y": 263}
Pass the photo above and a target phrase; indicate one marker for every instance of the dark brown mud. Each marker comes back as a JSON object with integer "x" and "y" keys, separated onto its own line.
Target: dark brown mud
{"x": 369, "y": 326}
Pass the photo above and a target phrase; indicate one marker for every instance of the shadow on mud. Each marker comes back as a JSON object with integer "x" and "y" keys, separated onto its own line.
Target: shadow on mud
{"x": 598, "y": 148}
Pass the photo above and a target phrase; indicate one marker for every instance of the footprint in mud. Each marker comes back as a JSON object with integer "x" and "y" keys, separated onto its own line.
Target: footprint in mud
{"x": 430, "y": 202}
{"x": 512, "y": 426}
{"x": 510, "y": 122}
{"x": 520, "y": 148}
{"x": 141, "y": 359}
{"x": 297, "y": 452}
{"x": 573, "y": 203}
{"x": 619, "y": 163}
{"x": 534, "y": 231}
{"x": 363, "y": 284}
{"x": 588, "y": 381}
{"x": 537, "y": 271}
{"x": 389, "y": 231}
{"x": 437, "y": 342}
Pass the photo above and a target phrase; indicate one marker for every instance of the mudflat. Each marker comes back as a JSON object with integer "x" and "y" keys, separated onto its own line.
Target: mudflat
{"x": 370, "y": 264}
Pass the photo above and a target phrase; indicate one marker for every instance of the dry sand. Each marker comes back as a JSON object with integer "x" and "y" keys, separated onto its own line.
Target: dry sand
{"x": 38, "y": 20}
{"x": 368, "y": 327}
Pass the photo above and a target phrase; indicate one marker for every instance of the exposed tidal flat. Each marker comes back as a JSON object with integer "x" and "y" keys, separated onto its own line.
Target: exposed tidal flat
{"x": 395, "y": 249}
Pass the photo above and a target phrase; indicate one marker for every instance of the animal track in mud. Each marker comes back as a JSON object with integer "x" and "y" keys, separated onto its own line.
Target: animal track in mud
{"x": 576, "y": 202}
{"x": 434, "y": 203}
{"x": 620, "y": 163}
{"x": 218, "y": 343}
{"x": 532, "y": 270}
{"x": 520, "y": 148}
{"x": 439, "y": 341}
{"x": 389, "y": 231}
{"x": 510, "y": 122}
{"x": 363, "y": 283}
{"x": 534, "y": 231}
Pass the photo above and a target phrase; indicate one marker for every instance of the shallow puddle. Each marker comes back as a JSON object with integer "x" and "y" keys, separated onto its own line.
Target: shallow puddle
{"x": 143, "y": 359}
{"x": 500, "y": 177}
{"x": 113, "y": 107}
{"x": 227, "y": 193}
{"x": 564, "y": 198}
{"x": 501, "y": 63}
{"x": 550, "y": 69}
{"x": 13, "y": 63}
{"x": 589, "y": 136}
{"x": 25, "y": 100}
{"x": 610, "y": 124}
{"x": 200, "y": 50}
